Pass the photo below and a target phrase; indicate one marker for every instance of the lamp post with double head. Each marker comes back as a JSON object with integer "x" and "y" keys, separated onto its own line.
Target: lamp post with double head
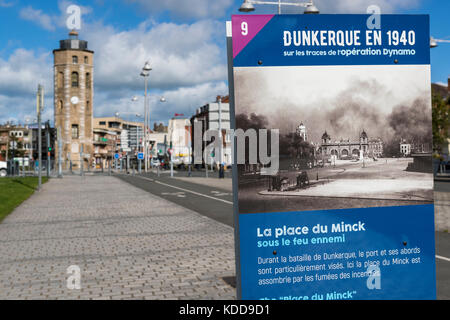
{"x": 146, "y": 121}
{"x": 434, "y": 42}
{"x": 310, "y": 8}
{"x": 146, "y": 73}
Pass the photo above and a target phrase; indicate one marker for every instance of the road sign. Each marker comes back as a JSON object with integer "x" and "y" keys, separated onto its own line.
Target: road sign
{"x": 356, "y": 228}
{"x": 116, "y": 156}
{"x": 141, "y": 156}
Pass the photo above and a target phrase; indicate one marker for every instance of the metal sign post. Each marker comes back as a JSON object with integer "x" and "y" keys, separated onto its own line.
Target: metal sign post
{"x": 81, "y": 160}
{"x": 59, "y": 153}
{"x": 116, "y": 157}
{"x": 47, "y": 127}
{"x": 40, "y": 108}
{"x": 140, "y": 158}
{"x": 171, "y": 163}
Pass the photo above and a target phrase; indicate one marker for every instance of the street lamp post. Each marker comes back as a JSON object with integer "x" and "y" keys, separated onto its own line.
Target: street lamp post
{"x": 220, "y": 133}
{"x": 40, "y": 108}
{"x": 146, "y": 73}
{"x": 310, "y": 8}
{"x": 146, "y": 118}
{"x": 434, "y": 42}
{"x": 137, "y": 115}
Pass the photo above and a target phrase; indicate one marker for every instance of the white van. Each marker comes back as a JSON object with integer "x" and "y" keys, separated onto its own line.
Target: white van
{"x": 3, "y": 168}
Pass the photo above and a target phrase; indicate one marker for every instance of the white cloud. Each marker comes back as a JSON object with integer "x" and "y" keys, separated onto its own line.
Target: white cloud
{"x": 18, "y": 109}
{"x": 189, "y": 69}
{"x": 188, "y": 60}
{"x": 20, "y": 75}
{"x": 181, "y": 55}
{"x": 23, "y": 70}
{"x": 192, "y": 9}
{"x": 37, "y": 16}
{"x": 51, "y": 22}
{"x": 360, "y": 6}
{"x": 5, "y": 4}
{"x": 181, "y": 100}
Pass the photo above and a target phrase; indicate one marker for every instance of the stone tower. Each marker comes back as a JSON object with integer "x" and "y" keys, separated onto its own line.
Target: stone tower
{"x": 301, "y": 131}
{"x": 73, "y": 100}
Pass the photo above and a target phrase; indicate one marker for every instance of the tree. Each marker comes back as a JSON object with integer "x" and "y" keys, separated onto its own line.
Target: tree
{"x": 18, "y": 151}
{"x": 293, "y": 145}
{"x": 255, "y": 122}
{"x": 441, "y": 122}
{"x": 159, "y": 127}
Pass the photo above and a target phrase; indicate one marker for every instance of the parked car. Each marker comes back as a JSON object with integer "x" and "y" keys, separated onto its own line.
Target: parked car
{"x": 155, "y": 162}
{"x": 3, "y": 169}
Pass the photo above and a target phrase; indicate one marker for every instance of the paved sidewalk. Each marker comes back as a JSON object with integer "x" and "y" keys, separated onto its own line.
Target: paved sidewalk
{"x": 442, "y": 211}
{"x": 128, "y": 243}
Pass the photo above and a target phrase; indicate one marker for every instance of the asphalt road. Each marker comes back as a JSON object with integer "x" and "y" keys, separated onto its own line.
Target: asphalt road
{"x": 442, "y": 186}
{"x": 202, "y": 199}
{"x": 199, "y": 198}
{"x": 443, "y": 265}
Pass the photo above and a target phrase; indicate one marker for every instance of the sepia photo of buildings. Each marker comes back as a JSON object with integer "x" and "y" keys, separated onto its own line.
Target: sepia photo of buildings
{"x": 349, "y": 136}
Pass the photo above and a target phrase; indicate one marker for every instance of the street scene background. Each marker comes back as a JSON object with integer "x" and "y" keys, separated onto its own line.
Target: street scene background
{"x": 120, "y": 200}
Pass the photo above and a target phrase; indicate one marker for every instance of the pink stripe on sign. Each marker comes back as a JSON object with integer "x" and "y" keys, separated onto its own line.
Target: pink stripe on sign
{"x": 245, "y": 28}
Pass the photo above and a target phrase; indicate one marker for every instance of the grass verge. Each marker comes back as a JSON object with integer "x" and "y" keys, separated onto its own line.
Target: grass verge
{"x": 14, "y": 191}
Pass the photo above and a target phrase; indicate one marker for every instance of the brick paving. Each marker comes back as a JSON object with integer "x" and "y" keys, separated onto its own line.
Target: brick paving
{"x": 129, "y": 244}
{"x": 442, "y": 211}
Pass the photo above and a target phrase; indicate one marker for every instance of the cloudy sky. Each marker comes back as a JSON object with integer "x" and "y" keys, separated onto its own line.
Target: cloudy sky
{"x": 342, "y": 100}
{"x": 183, "y": 39}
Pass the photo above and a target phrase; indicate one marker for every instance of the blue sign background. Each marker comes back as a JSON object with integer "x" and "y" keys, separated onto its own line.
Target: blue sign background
{"x": 387, "y": 228}
{"x": 267, "y": 46}
{"x": 140, "y": 156}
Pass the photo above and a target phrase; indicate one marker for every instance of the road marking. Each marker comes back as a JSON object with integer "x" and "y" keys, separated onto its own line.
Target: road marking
{"x": 176, "y": 194}
{"x": 443, "y": 258}
{"x": 186, "y": 190}
{"x": 220, "y": 194}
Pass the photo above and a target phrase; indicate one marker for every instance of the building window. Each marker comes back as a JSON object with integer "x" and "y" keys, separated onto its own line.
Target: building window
{"x": 102, "y": 123}
{"x": 74, "y": 59}
{"x": 86, "y": 60}
{"x": 60, "y": 106}
{"x": 74, "y": 79}
{"x": 74, "y": 131}
{"x": 88, "y": 80}
{"x": 60, "y": 79}
{"x": 88, "y": 106}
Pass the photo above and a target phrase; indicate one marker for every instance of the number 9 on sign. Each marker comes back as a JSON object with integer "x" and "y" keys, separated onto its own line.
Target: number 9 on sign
{"x": 244, "y": 28}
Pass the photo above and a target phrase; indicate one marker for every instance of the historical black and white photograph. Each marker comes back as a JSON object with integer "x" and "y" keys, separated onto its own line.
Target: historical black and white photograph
{"x": 349, "y": 137}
